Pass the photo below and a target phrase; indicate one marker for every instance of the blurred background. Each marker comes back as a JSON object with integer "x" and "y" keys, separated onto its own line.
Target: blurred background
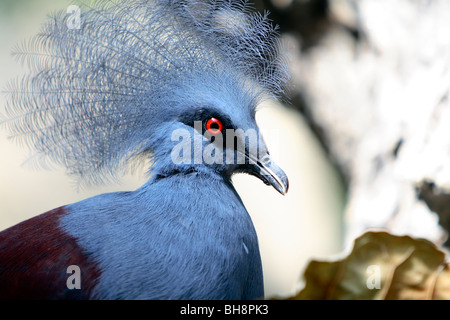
{"x": 364, "y": 138}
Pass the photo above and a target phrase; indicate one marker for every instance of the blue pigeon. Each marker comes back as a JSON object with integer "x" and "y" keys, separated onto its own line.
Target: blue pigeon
{"x": 171, "y": 84}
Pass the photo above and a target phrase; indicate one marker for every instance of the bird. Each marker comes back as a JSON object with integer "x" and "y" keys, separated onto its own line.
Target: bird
{"x": 171, "y": 85}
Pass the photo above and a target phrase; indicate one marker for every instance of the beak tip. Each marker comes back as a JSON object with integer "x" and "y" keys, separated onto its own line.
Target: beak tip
{"x": 284, "y": 188}
{"x": 281, "y": 184}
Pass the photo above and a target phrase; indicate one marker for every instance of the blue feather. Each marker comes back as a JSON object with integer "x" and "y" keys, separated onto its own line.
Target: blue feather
{"x": 187, "y": 236}
{"x": 111, "y": 94}
{"x": 95, "y": 96}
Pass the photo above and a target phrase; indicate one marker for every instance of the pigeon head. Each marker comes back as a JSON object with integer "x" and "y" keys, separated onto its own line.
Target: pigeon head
{"x": 177, "y": 82}
{"x": 214, "y": 129}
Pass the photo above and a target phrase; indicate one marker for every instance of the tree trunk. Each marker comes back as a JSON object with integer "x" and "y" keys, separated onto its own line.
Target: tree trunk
{"x": 375, "y": 88}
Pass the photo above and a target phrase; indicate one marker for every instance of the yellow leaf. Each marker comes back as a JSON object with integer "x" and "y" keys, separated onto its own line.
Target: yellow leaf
{"x": 381, "y": 266}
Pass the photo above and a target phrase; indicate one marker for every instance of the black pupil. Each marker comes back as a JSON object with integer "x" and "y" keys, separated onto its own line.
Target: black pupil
{"x": 215, "y": 126}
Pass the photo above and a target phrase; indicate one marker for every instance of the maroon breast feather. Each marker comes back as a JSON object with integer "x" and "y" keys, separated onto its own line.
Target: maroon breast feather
{"x": 34, "y": 259}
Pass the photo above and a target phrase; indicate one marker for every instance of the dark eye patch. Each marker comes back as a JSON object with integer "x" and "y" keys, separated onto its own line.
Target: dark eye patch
{"x": 203, "y": 115}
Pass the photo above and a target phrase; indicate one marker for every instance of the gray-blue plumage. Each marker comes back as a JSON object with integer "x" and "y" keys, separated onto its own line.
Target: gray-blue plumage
{"x": 193, "y": 241}
{"x": 113, "y": 92}
{"x": 95, "y": 95}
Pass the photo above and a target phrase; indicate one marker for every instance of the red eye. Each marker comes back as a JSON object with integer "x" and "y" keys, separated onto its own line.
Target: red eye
{"x": 214, "y": 126}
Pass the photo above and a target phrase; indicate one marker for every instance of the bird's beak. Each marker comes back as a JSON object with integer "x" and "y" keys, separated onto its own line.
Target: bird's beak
{"x": 269, "y": 172}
